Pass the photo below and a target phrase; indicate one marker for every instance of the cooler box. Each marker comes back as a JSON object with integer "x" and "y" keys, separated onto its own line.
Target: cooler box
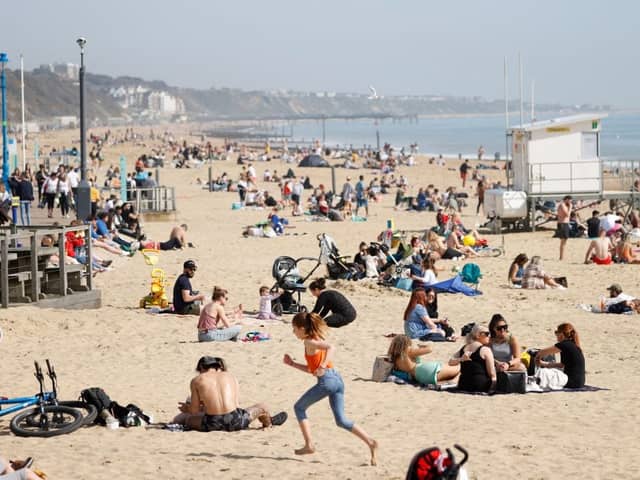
{"x": 505, "y": 203}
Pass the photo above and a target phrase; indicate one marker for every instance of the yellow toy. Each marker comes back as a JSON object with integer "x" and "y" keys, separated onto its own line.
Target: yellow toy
{"x": 157, "y": 296}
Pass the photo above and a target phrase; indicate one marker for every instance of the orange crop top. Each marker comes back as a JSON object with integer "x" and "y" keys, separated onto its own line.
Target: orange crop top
{"x": 314, "y": 361}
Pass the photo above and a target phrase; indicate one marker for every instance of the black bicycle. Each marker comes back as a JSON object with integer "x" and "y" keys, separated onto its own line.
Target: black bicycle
{"x": 50, "y": 416}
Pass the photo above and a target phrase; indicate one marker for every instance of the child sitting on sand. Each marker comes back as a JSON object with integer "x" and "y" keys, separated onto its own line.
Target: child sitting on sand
{"x": 266, "y": 298}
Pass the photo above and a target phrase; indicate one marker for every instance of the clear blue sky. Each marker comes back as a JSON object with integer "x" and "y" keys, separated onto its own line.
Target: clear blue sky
{"x": 577, "y": 52}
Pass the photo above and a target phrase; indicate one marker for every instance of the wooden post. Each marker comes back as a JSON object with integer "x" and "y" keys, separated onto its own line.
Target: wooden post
{"x": 333, "y": 179}
{"x": 4, "y": 271}
{"x": 35, "y": 275}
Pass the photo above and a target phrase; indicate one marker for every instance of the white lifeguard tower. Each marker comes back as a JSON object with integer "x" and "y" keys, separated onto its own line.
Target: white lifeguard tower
{"x": 558, "y": 157}
{"x": 551, "y": 159}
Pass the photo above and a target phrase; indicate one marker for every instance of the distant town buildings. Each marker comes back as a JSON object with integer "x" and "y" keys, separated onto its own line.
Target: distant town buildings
{"x": 70, "y": 71}
{"x": 148, "y": 102}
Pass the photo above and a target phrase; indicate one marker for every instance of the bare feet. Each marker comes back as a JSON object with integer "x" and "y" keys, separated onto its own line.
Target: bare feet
{"x": 373, "y": 446}
{"x": 306, "y": 450}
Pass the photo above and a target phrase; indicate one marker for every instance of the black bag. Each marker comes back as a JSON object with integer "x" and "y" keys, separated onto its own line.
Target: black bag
{"x": 97, "y": 397}
{"x": 512, "y": 382}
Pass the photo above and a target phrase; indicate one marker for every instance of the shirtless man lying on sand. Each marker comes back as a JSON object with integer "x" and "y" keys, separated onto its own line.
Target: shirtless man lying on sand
{"x": 599, "y": 250}
{"x": 214, "y": 402}
{"x": 177, "y": 240}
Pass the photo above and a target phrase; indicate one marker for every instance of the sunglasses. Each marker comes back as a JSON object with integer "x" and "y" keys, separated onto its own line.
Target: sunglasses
{"x": 502, "y": 327}
{"x": 485, "y": 334}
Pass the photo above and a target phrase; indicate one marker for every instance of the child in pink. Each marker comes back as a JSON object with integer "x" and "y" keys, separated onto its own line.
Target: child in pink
{"x": 265, "y": 304}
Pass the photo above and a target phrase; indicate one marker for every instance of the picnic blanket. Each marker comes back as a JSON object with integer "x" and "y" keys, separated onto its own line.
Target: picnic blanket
{"x": 455, "y": 285}
{"x": 453, "y": 388}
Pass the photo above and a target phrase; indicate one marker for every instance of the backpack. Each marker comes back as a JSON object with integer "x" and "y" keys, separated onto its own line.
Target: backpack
{"x": 98, "y": 398}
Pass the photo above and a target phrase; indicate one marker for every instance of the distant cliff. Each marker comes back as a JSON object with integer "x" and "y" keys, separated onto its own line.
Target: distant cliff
{"x": 49, "y": 95}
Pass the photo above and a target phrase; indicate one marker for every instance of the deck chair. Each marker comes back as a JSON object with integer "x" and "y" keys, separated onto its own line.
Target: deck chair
{"x": 471, "y": 274}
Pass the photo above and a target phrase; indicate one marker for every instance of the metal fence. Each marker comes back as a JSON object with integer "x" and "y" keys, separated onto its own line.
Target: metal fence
{"x": 153, "y": 199}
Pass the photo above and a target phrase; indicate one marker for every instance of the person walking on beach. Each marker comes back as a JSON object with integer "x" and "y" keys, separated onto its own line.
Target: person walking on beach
{"x": 562, "y": 232}
{"x": 464, "y": 171}
{"x": 318, "y": 354}
{"x": 480, "y": 191}
{"x": 361, "y": 196}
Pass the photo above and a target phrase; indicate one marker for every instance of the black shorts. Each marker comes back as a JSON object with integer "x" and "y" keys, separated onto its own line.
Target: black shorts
{"x": 563, "y": 231}
{"x": 238, "y": 419}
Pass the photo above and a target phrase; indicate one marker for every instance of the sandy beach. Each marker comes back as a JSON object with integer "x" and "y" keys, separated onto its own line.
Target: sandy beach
{"x": 149, "y": 359}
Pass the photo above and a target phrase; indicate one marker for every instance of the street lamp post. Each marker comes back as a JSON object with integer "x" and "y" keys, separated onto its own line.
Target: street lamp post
{"x": 5, "y": 148}
{"x": 83, "y": 202}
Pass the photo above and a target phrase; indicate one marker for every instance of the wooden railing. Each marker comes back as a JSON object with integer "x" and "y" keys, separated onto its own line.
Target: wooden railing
{"x": 25, "y": 273}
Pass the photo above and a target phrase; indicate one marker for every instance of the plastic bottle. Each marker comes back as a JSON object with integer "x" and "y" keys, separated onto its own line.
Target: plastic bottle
{"x": 602, "y": 304}
{"x": 110, "y": 421}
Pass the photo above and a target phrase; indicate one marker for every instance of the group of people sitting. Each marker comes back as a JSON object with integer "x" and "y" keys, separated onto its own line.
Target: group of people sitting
{"x": 611, "y": 242}
{"x": 489, "y": 350}
{"x": 374, "y": 260}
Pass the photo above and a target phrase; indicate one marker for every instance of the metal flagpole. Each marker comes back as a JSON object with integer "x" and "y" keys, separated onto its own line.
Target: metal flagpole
{"x": 24, "y": 132}
{"x": 506, "y": 120}
{"x": 5, "y": 148}
{"x": 533, "y": 103}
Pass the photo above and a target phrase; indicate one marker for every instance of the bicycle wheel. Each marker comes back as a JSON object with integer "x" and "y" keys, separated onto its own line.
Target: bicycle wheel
{"x": 52, "y": 420}
{"x": 90, "y": 411}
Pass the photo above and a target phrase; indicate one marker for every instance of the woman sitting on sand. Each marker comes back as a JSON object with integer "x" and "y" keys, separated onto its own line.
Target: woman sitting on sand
{"x": 534, "y": 277}
{"x": 213, "y": 324}
{"x": 439, "y": 249}
{"x": 624, "y": 251}
{"x": 419, "y": 324}
{"x": 571, "y": 356}
{"x": 477, "y": 367}
{"x": 504, "y": 346}
{"x": 408, "y": 365}
{"x": 453, "y": 242}
{"x": 516, "y": 269}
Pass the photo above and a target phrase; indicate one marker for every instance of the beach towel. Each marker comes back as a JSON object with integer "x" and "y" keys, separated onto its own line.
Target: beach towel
{"x": 455, "y": 285}
{"x": 453, "y": 388}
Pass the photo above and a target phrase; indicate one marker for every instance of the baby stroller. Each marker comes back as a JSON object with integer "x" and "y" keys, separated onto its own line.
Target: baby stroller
{"x": 337, "y": 266}
{"x": 288, "y": 279}
{"x": 434, "y": 464}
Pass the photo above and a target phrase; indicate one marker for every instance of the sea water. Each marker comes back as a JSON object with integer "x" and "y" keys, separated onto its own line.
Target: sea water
{"x": 620, "y": 137}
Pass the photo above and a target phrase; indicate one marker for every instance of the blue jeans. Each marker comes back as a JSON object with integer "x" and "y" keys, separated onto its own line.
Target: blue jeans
{"x": 329, "y": 385}
{"x": 25, "y": 212}
{"x": 220, "y": 334}
{"x": 421, "y": 331}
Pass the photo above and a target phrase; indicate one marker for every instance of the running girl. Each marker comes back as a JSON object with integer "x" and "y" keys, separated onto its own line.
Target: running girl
{"x": 311, "y": 329}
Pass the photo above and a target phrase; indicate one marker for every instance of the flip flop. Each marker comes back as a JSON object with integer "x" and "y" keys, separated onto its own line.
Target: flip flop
{"x": 279, "y": 419}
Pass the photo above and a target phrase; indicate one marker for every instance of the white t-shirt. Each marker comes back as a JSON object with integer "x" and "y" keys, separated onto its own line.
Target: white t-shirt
{"x": 429, "y": 278}
{"x": 73, "y": 178}
{"x": 623, "y": 297}
{"x": 608, "y": 221}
